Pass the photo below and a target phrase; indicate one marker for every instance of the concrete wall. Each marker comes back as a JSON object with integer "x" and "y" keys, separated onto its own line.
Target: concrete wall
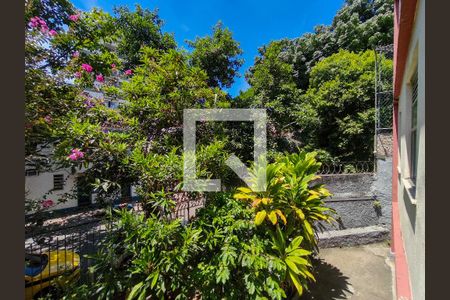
{"x": 412, "y": 208}
{"x": 354, "y": 196}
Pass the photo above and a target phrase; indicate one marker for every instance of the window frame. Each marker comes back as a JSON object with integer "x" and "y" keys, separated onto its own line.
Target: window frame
{"x": 413, "y": 126}
{"x": 58, "y": 182}
{"x": 31, "y": 172}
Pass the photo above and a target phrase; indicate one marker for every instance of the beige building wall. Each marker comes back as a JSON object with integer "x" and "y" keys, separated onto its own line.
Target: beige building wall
{"x": 411, "y": 196}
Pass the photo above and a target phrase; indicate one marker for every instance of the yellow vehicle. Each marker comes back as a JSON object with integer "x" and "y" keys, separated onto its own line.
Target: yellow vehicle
{"x": 49, "y": 271}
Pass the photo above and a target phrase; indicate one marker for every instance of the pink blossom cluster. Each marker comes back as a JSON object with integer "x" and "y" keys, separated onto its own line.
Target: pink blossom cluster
{"x": 48, "y": 119}
{"x": 88, "y": 68}
{"x": 36, "y": 22}
{"x": 47, "y": 203}
{"x": 74, "y": 18}
{"x": 100, "y": 78}
{"x": 128, "y": 72}
{"x": 76, "y": 154}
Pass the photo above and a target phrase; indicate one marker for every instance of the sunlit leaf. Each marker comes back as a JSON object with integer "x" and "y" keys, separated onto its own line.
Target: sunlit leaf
{"x": 260, "y": 216}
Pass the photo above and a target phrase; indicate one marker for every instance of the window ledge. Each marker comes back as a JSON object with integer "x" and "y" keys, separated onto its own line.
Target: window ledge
{"x": 410, "y": 188}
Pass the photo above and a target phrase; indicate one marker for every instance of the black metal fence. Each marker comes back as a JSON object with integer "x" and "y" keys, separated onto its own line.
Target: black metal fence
{"x": 80, "y": 241}
{"x": 85, "y": 238}
{"x": 59, "y": 257}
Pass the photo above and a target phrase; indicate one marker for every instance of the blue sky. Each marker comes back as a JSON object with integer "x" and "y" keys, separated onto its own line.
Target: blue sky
{"x": 253, "y": 22}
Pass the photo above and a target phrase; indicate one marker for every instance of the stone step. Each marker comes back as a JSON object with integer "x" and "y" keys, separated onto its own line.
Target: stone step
{"x": 353, "y": 236}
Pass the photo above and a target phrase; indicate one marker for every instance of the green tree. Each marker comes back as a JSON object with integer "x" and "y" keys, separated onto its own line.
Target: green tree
{"x": 281, "y": 73}
{"x": 54, "y": 12}
{"x": 46, "y": 95}
{"x": 138, "y": 143}
{"x": 137, "y": 29}
{"x": 218, "y": 55}
{"x": 273, "y": 87}
{"x": 359, "y": 25}
{"x": 336, "y": 113}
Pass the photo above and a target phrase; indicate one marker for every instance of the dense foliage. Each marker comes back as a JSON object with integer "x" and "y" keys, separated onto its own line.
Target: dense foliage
{"x": 282, "y": 75}
{"x": 249, "y": 246}
{"x": 218, "y": 55}
{"x": 105, "y": 95}
{"x": 73, "y": 125}
{"x": 337, "y": 111}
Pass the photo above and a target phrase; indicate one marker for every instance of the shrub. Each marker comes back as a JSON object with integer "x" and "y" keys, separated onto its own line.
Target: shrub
{"x": 233, "y": 249}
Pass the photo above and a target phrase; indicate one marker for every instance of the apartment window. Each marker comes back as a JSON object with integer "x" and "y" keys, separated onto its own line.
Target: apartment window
{"x": 31, "y": 172}
{"x": 414, "y": 144}
{"x": 58, "y": 181}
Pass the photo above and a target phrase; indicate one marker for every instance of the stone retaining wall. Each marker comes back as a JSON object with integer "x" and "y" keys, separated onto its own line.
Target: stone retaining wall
{"x": 362, "y": 199}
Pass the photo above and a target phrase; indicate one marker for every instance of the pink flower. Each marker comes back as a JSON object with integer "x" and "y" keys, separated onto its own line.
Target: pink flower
{"x": 44, "y": 28}
{"x": 76, "y": 54}
{"x": 100, "y": 78}
{"x": 128, "y": 72}
{"x": 52, "y": 32}
{"x": 48, "y": 119}
{"x": 113, "y": 66}
{"x": 78, "y": 74}
{"x": 87, "y": 68}
{"x": 34, "y": 22}
{"x": 76, "y": 154}
{"x": 47, "y": 203}
{"x": 74, "y": 18}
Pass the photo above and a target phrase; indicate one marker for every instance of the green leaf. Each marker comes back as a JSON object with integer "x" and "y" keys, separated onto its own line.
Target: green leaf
{"x": 294, "y": 244}
{"x": 296, "y": 281}
{"x": 244, "y": 190}
{"x": 299, "y": 252}
{"x": 243, "y": 196}
{"x": 304, "y": 271}
{"x": 308, "y": 228}
{"x": 155, "y": 279}
{"x": 298, "y": 260}
{"x": 135, "y": 290}
{"x": 291, "y": 265}
{"x": 273, "y": 217}
{"x": 300, "y": 213}
{"x": 260, "y": 216}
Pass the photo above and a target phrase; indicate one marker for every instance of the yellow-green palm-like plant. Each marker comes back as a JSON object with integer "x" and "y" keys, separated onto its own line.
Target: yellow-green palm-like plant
{"x": 290, "y": 208}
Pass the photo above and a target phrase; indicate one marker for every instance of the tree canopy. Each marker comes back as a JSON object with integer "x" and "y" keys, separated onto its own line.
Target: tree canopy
{"x": 281, "y": 75}
{"x": 317, "y": 88}
{"x": 218, "y": 55}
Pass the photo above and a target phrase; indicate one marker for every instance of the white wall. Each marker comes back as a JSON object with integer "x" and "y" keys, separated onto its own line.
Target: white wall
{"x": 37, "y": 186}
{"x": 412, "y": 209}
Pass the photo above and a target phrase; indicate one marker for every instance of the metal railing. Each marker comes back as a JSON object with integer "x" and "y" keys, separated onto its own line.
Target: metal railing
{"x": 65, "y": 253}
